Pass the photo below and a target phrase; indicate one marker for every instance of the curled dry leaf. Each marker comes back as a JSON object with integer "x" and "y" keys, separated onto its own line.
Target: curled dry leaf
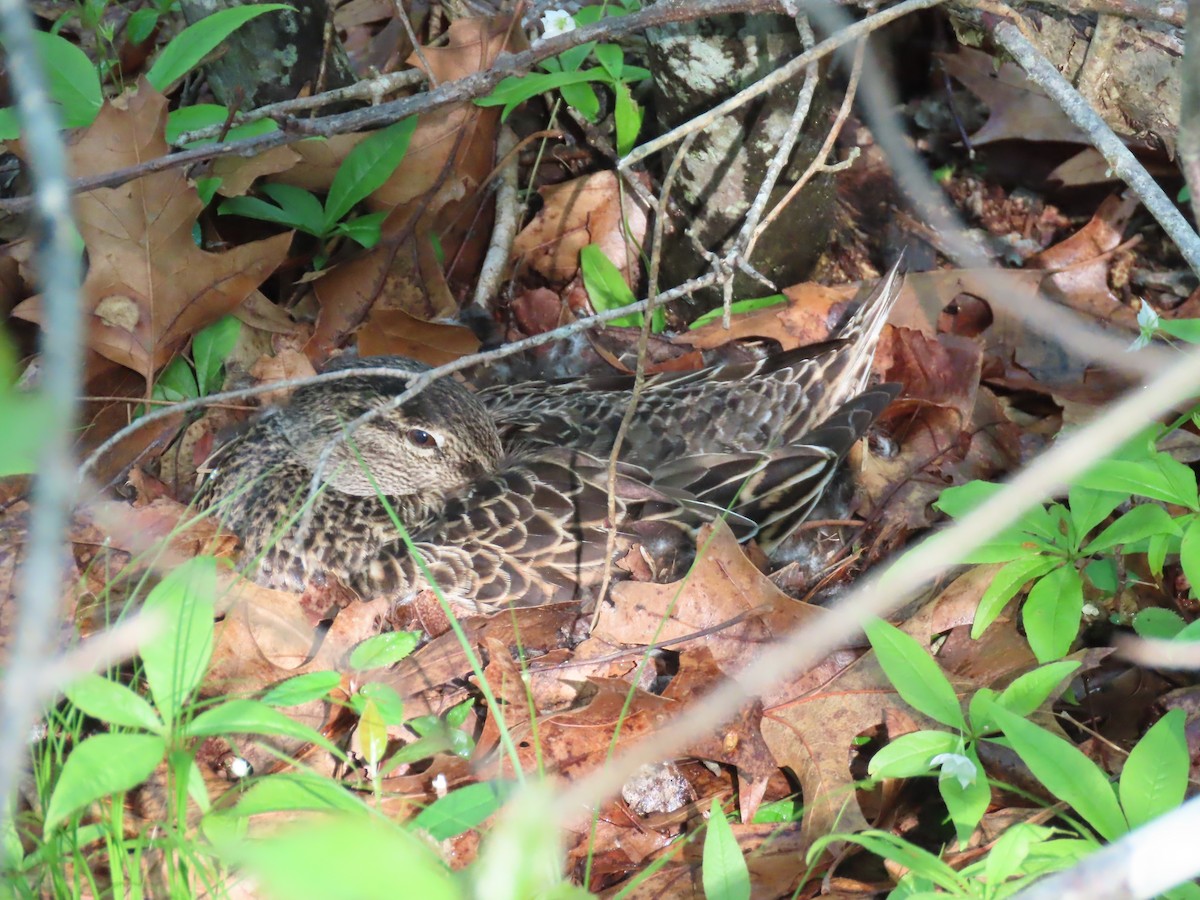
{"x": 149, "y": 288}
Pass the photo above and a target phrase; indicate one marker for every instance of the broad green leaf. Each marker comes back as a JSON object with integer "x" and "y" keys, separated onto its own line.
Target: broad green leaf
{"x": 957, "y": 501}
{"x": 1189, "y": 553}
{"x": 1190, "y": 633}
{"x": 1052, "y": 612}
{"x": 908, "y": 755}
{"x": 966, "y": 803}
{"x": 1155, "y": 622}
{"x": 301, "y": 206}
{"x": 1155, "y": 775}
{"x": 920, "y": 862}
{"x": 100, "y": 766}
{"x": 210, "y": 348}
{"x": 1184, "y": 329}
{"x": 384, "y": 649}
{"x": 113, "y": 703}
{"x": 1156, "y": 553}
{"x": 915, "y": 675}
{"x": 627, "y": 115}
{"x": 302, "y": 689}
{"x": 386, "y": 699}
{"x": 723, "y": 869}
{"x": 363, "y": 230}
{"x": 582, "y": 98}
{"x": 573, "y": 58}
{"x": 176, "y": 658}
{"x": 463, "y": 809}
{"x": 292, "y": 791}
{"x": 739, "y": 306}
{"x": 10, "y": 125}
{"x": 257, "y": 208}
{"x": 1103, "y": 574}
{"x": 188, "y": 48}
{"x": 376, "y": 860}
{"x": 611, "y": 57}
{"x": 1012, "y": 848}
{"x": 366, "y": 168}
{"x": 73, "y": 81}
{"x": 1141, "y": 522}
{"x": 372, "y": 735}
{"x": 516, "y": 89}
{"x": 205, "y": 115}
{"x": 606, "y": 285}
{"x": 1065, "y": 772}
{"x": 1031, "y": 690}
{"x": 242, "y": 716}
{"x": 141, "y": 25}
{"x": 25, "y": 420}
{"x": 1090, "y": 507}
{"x": 176, "y": 382}
{"x": 1158, "y": 477}
{"x": 1005, "y": 585}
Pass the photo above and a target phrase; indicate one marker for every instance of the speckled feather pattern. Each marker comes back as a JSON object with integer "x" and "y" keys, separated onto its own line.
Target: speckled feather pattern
{"x": 504, "y": 492}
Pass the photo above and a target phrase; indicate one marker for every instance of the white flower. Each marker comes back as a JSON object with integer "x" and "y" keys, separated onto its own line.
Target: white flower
{"x": 1148, "y": 322}
{"x": 556, "y": 22}
{"x": 955, "y": 765}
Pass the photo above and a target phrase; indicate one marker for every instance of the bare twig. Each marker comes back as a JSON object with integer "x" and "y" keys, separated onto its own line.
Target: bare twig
{"x": 62, "y": 355}
{"x": 1122, "y": 162}
{"x": 504, "y": 228}
{"x": 1189, "y": 109}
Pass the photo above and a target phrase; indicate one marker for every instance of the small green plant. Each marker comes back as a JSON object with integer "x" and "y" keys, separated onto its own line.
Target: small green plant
{"x": 565, "y": 74}
{"x": 75, "y": 84}
{"x": 738, "y": 307}
{"x": 25, "y": 417}
{"x": 1055, "y": 548}
{"x": 204, "y": 373}
{"x": 364, "y": 171}
{"x": 1152, "y": 782}
{"x": 607, "y": 289}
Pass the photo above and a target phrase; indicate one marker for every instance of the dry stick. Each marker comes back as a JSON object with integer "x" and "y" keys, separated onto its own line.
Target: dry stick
{"x": 468, "y": 88}
{"x": 1044, "y": 74}
{"x": 54, "y": 487}
{"x": 738, "y": 256}
{"x": 504, "y": 227}
{"x": 882, "y": 593}
{"x": 818, "y": 163}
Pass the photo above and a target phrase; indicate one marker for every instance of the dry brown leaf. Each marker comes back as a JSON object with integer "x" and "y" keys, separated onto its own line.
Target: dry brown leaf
{"x": 149, "y": 287}
{"x": 579, "y": 212}
{"x": 393, "y": 331}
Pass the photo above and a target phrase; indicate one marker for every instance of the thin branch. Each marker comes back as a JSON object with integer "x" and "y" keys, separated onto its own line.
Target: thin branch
{"x": 53, "y": 494}
{"x": 1123, "y": 163}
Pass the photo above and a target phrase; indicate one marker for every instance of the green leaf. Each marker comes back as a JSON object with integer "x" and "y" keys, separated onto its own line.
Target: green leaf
{"x": 176, "y": 382}
{"x": 301, "y": 206}
{"x": 366, "y": 168}
{"x": 210, "y": 348}
{"x": 918, "y": 861}
{"x": 574, "y": 57}
{"x": 463, "y": 809}
{"x": 188, "y": 48}
{"x": 1031, "y": 690}
{"x": 372, "y": 735}
{"x": 516, "y": 89}
{"x": 1005, "y": 585}
{"x": 302, "y": 689}
{"x": 908, "y": 755}
{"x": 376, "y": 861}
{"x": 1007, "y": 856}
{"x": 957, "y": 501}
{"x": 99, "y": 766}
{"x": 1103, "y": 574}
{"x": 1190, "y": 633}
{"x": 739, "y": 306}
{"x": 1189, "y": 553}
{"x": 205, "y": 115}
{"x": 113, "y": 703}
{"x": 1065, "y": 772}
{"x": 25, "y": 420}
{"x": 582, "y": 98}
{"x": 1052, "y": 613}
{"x": 387, "y": 701}
{"x": 257, "y": 208}
{"x": 384, "y": 649}
{"x": 915, "y": 675}
{"x": 1158, "y": 477}
{"x": 1155, "y": 622}
{"x": 1184, "y": 329}
{"x": 1141, "y": 522}
{"x": 141, "y": 25}
{"x": 1155, "y": 776}
{"x": 611, "y": 57}
{"x": 293, "y": 791}
{"x": 10, "y": 125}
{"x": 1090, "y": 507}
{"x": 1156, "y": 553}
{"x": 965, "y": 803}
{"x": 627, "y": 115}
{"x": 606, "y": 285}
{"x": 243, "y": 716}
{"x": 363, "y": 230}
{"x": 72, "y": 78}
{"x": 723, "y": 869}
{"x": 175, "y": 660}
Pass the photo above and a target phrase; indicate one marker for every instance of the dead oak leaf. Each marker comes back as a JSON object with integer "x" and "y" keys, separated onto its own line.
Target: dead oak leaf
{"x": 148, "y": 286}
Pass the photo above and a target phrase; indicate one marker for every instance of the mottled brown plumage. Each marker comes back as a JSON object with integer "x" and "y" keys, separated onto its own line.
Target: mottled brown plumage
{"x": 504, "y": 492}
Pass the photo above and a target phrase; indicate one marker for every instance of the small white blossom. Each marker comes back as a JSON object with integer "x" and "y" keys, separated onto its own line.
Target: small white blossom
{"x": 1148, "y": 322}
{"x": 955, "y": 765}
{"x": 556, "y": 22}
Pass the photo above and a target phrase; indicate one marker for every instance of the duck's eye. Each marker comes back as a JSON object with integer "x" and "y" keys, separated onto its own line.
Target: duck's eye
{"x": 421, "y": 438}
